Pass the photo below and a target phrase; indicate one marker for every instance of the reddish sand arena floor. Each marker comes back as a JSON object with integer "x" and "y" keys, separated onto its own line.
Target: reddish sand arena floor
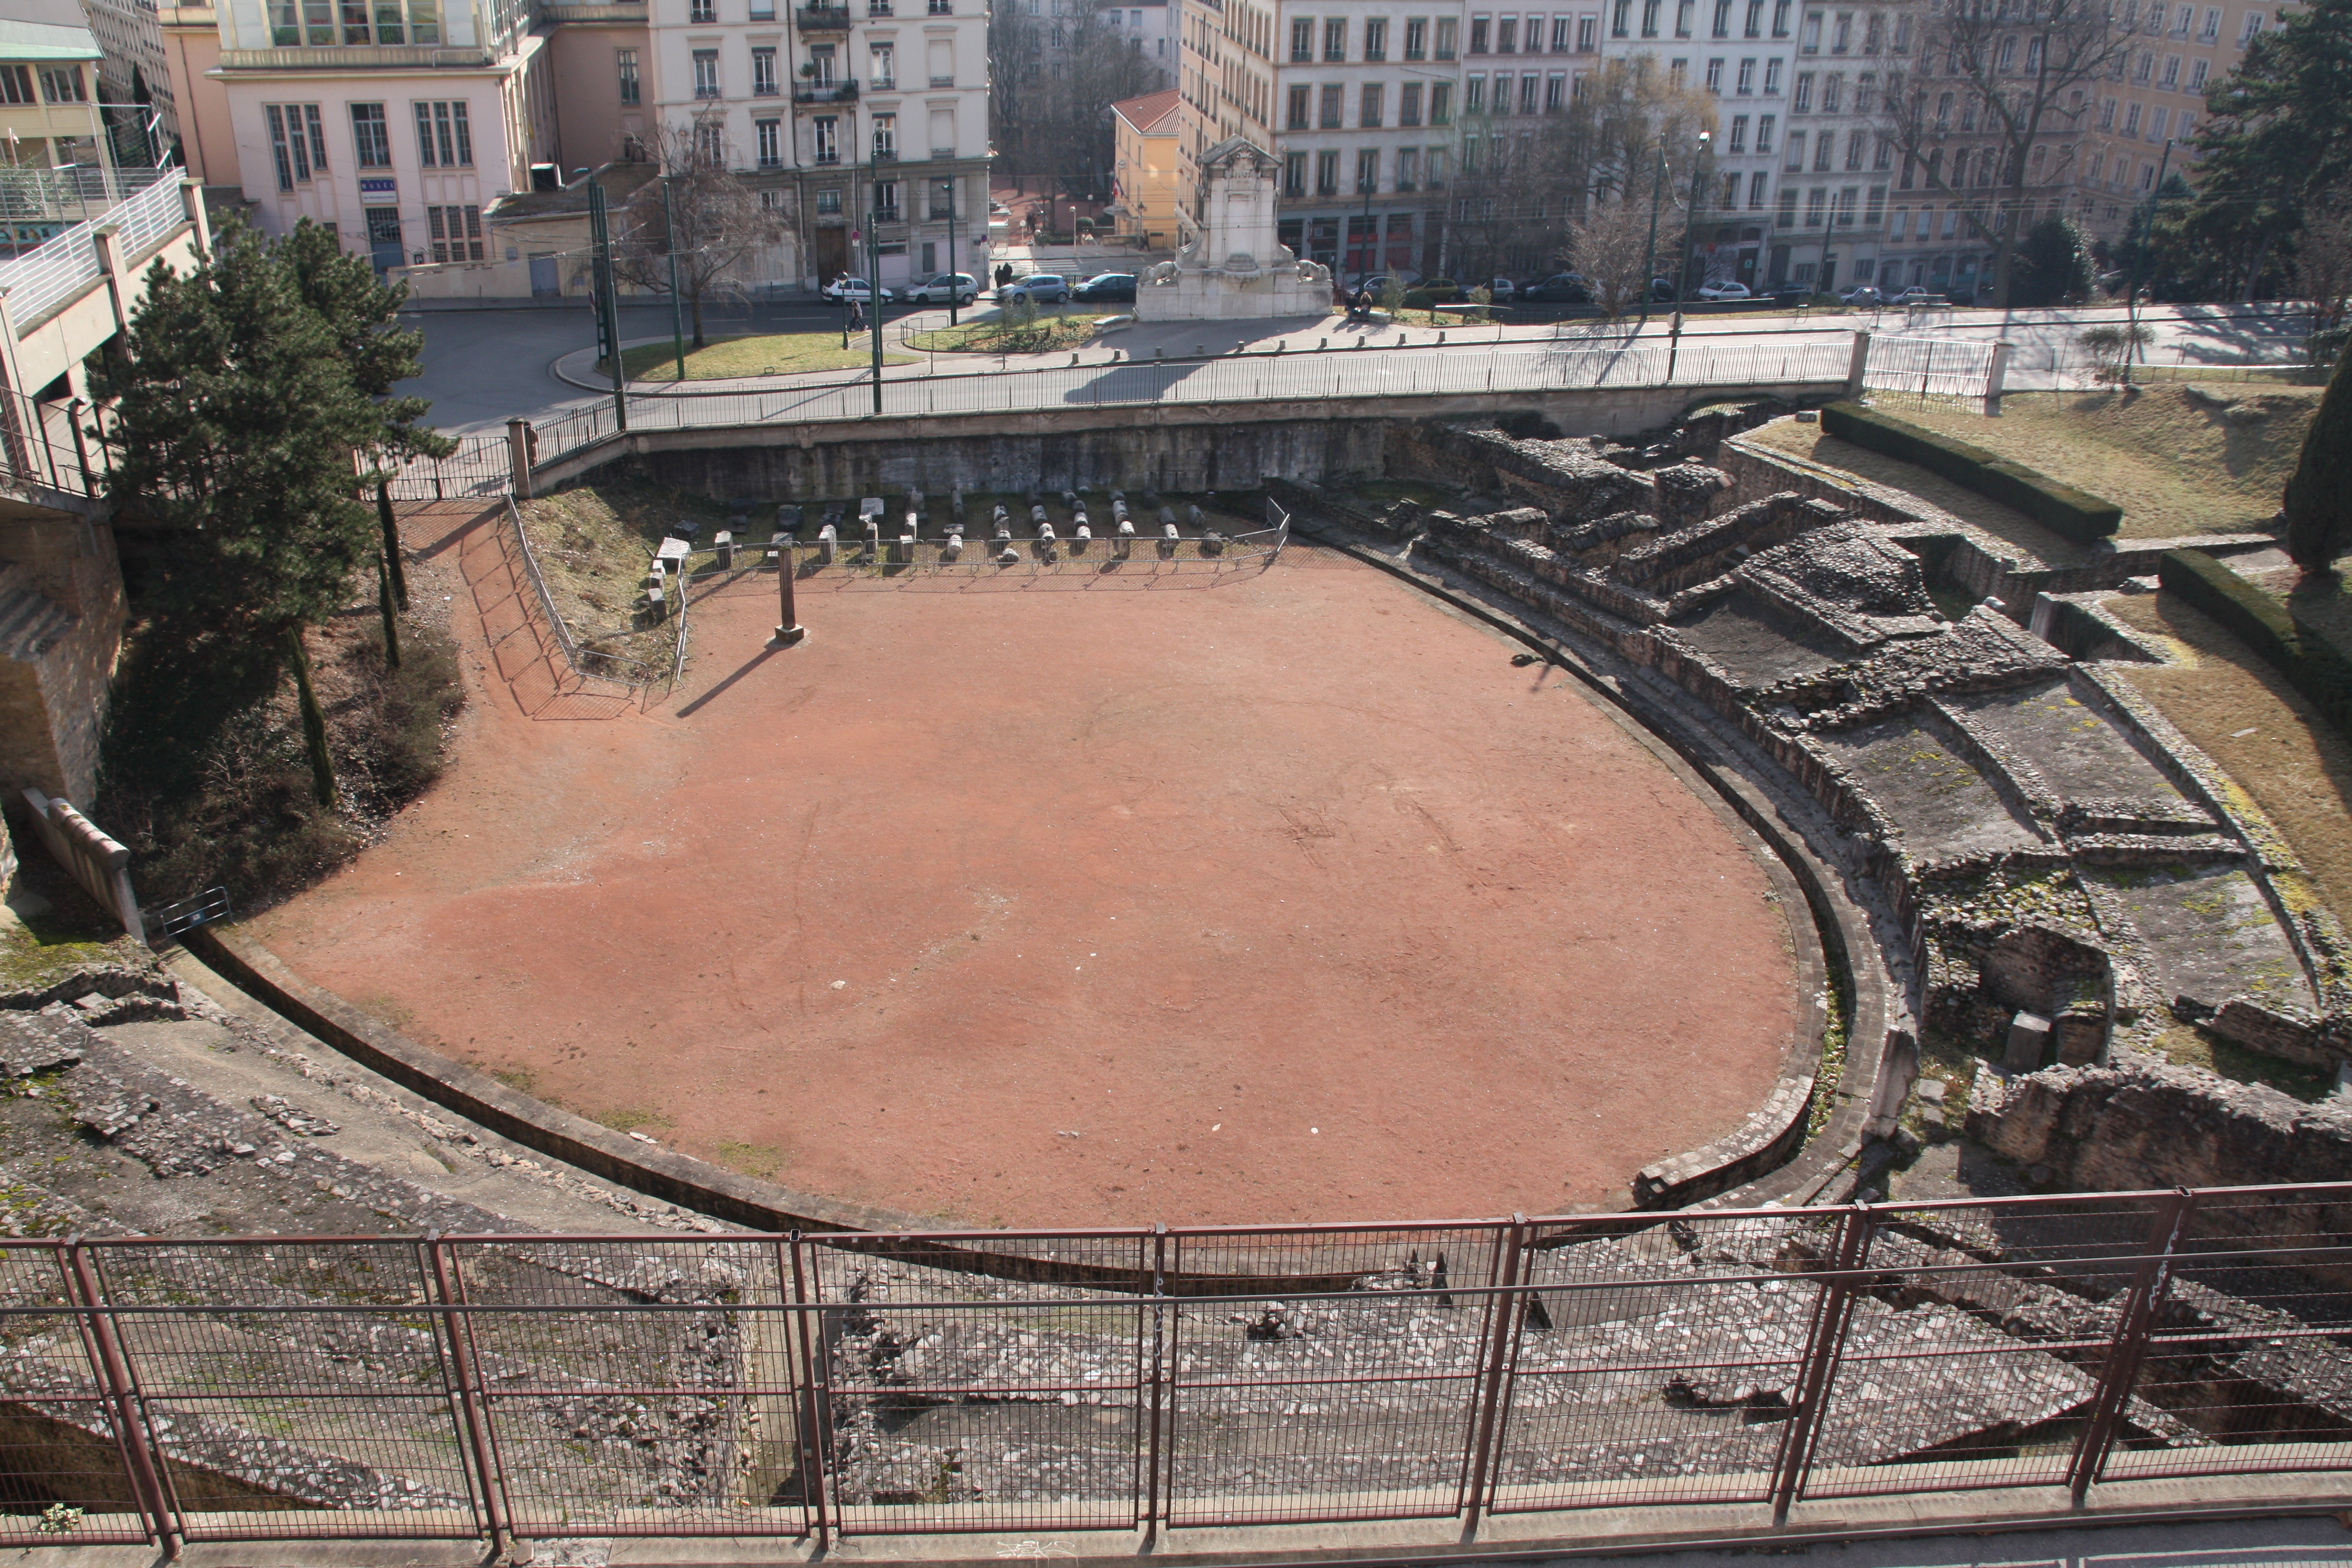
{"x": 1288, "y": 898}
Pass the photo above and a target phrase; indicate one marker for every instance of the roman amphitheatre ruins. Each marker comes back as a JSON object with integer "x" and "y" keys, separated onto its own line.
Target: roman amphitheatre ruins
{"x": 1242, "y": 973}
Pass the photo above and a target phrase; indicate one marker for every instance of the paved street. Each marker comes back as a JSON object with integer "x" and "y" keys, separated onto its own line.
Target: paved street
{"x": 483, "y": 366}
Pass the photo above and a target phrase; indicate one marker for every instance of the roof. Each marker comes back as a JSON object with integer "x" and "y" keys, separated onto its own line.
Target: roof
{"x": 1152, "y": 114}
{"x": 621, "y": 181}
{"x": 44, "y": 30}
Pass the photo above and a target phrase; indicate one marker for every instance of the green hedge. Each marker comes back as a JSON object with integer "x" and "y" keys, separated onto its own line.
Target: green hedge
{"x": 2079, "y": 515}
{"x": 2311, "y": 665}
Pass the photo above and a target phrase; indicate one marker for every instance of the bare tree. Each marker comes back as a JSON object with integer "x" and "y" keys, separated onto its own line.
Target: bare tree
{"x": 1051, "y": 84}
{"x": 1610, "y": 244}
{"x": 2323, "y": 256}
{"x": 2001, "y": 88}
{"x": 714, "y": 223}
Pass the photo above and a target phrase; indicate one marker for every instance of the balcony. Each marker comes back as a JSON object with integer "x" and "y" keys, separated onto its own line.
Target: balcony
{"x": 822, "y": 19}
{"x": 826, "y": 93}
{"x": 356, "y": 57}
{"x": 884, "y": 84}
{"x": 886, "y": 154}
{"x": 943, "y": 81}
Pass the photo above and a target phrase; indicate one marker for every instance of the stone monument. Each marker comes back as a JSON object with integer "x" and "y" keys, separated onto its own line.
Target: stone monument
{"x": 1234, "y": 269}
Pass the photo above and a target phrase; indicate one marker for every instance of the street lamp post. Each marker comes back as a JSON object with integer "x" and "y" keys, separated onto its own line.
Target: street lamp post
{"x": 670, "y": 243}
{"x": 1650, "y": 254}
{"x": 1690, "y": 251}
{"x": 950, "y": 183}
{"x": 2140, "y": 262}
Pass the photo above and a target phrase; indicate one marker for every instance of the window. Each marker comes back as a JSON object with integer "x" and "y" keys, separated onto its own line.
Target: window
{"x": 1327, "y": 174}
{"x": 2143, "y": 67}
{"x": 1526, "y": 97}
{"x": 1833, "y": 93}
{"x": 1754, "y": 27}
{"x": 1902, "y": 222}
{"x": 1298, "y": 109}
{"x": 885, "y": 138}
{"x": 2186, "y": 131}
{"x": 17, "y": 85}
{"x": 1332, "y": 96}
{"x": 828, "y": 202}
{"x": 1335, "y": 40}
{"x": 2171, "y": 72}
{"x": 1817, "y": 201}
{"x": 1437, "y": 168}
{"x": 1875, "y": 38}
{"x": 1804, "y": 102}
{"x": 1787, "y": 217}
{"x": 886, "y": 201}
{"x": 1440, "y": 104}
{"x": 2131, "y": 120}
{"x": 1370, "y": 108}
{"x": 456, "y": 232}
{"x": 2211, "y": 31}
{"x": 1796, "y": 149}
{"x": 1294, "y": 173}
{"x": 702, "y": 10}
{"x": 1474, "y": 95}
{"x": 1810, "y": 43}
{"x": 1824, "y": 147}
{"x": 827, "y": 145}
{"x": 1857, "y": 143}
{"x": 1587, "y": 35}
{"x": 710, "y": 143}
{"x": 1715, "y": 76}
{"x": 1556, "y": 93}
{"x": 1764, "y": 134}
{"x": 1416, "y": 38}
{"x": 821, "y": 56}
{"x": 1506, "y": 36}
{"x": 1745, "y": 83}
{"x": 2007, "y": 59}
{"x": 2107, "y": 115}
{"x": 1771, "y": 79}
{"x": 1943, "y": 113}
{"x": 2197, "y": 70}
{"x": 705, "y": 73}
{"x": 1739, "y": 134}
{"x": 1649, "y": 18}
{"x": 2159, "y": 124}
{"x": 885, "y": 62}
{"x": 2147, "y": 176}
{"x": 1780, "y": 18}
{"x": 1683, "y": 18}
{"x": 1481, "y": 33}
{"x": 1448, "y": 29}
{"x": 764, "y": 73}
{"x": 1376, "y": 40}
{"x": 1367, "y": 171}
{"x": 63, "y": 84}
{"x": 762, "y": 11}
{"x": 443, "y": 139}
{"x": 1842, "y": 32}
{"x": 1884, "y": 159}
{"x": 1759, "y": 184}
{"x": 1730, "y": 189}
{"x": 1302, "y": 39}
{"x": 1409, "y": 104}
{"x": 768, "y": 142}
{"x": 1866, "y": 92}
{"x": 290, "y": 142}
{"x": 625, "y": 62}
{"x": 1408, "y": 168}
{"x": 370, "y": 136}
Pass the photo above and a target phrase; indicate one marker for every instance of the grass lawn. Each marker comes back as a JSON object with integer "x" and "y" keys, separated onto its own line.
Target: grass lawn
{"x": 2005, "y": 523}
{"x": 989, "y": 334}
{"x": 2242, "y": 713}
{"x": 779, "y": 354}
{"x": 2175, "y": 461}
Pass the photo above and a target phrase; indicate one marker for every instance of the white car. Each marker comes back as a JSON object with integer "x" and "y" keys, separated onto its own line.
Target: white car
{"x": 841, "y": 290}
{"x": 1723, "y": 291}
{"x": 943, "y": 289}
{"x": 1501, "y": 290}
{"x": 1915, "y": 295}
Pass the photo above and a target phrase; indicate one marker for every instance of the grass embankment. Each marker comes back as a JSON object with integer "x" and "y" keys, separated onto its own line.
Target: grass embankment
{"x": 775, "y": 354}
{"x": 2178, "y": 458}
{"x": 994, "y": 334}
{"x": 594, "y": 544}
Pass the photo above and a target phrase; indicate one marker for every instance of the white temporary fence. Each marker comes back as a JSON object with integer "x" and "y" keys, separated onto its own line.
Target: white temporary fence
{"x": 1930, "y": 366}
{"x": 1305, "y": 374}
{"x": 36, "y": 284}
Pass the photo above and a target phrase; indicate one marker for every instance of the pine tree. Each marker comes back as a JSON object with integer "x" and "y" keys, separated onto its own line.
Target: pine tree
{"x": 2319, "y": 495}
{"x": 237, "y": 415}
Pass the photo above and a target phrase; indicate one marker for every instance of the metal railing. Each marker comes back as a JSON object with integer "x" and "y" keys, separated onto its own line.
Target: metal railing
{"x": 38, "y": 283}
{"x": 1305, "y": 374}
{"x": 1929, "y": 366}
{"x": 607, "y": 670}
{"x": 481, "y": 466}
{"x": 850, "y": 1384}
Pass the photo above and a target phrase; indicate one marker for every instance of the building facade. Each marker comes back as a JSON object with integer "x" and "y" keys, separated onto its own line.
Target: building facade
{"x": 2151, "y": 107}
{"x": 1151, "y": 192}
{"x": 135, "y": 76}
{"x": 1839, "y": 166}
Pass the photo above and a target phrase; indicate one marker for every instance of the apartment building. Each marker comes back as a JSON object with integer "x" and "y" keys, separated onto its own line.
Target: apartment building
{"x": 842, "y": 117}
{"x": 134, "y": 73}
{"x": 2175, "y": 51}
{"x": 394, "y": 125}
{"x": 1144, "y": 165}
{"x": 50, "y": 88}
{"x": 1838, "y": 165}
{"x": 1741, "y": 53}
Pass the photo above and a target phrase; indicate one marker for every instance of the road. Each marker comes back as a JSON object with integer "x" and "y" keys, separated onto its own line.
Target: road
{"x": 482, "y": 367}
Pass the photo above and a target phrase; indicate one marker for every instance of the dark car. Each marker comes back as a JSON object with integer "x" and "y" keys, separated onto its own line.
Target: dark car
{"x": 1107, "y": 286}
{"x": 1560, "y": 289}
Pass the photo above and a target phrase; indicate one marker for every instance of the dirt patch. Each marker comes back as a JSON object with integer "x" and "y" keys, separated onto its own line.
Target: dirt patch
{"x": 2037, "y": 543}
{"x": 2178, "y": 458}
{"x": 2243, "y": 714}
{"x": 1211, "y": 898}
{"x": 594, "y": 544}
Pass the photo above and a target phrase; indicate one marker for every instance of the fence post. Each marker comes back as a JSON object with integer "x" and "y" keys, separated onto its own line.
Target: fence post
{"x": 810, "y": 1416}
{"x": 1997, "y": 376}
{"x": 132, "y": 1439}
{"x": 1158, "y": 1412}
{"x": 1857, "y": 364}
{"x": 1831, "y": 1312}
{"x": 1502, "y": 1306}
{"x": 519, "y": 445}
{"x": 2129, "y": 1347}
{"x": 469, "y": 1391}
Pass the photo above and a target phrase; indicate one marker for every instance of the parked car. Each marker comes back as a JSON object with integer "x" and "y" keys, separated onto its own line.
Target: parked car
{"x": 1725, "y": 290}
{"x": 1038, "y": 288}
{"x": 1560, "y": 289}
{"x": 1916, "y": 295}
{"x": 1502, "y": 290}
{"x": 943, "y": 289}
{"x": 1107, "y": 286}
{"x": 1863, "y": 294}
{"x": 842, "y": 290}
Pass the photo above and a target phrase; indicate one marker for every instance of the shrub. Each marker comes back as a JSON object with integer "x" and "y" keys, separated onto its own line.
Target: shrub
{"x": 2311, "y": 664}
{"x": 2079, "y": 515}
{"x": 2110, "y": 345}
{"x": 2318, "y": 497}
{"x": 1418, "y": 299}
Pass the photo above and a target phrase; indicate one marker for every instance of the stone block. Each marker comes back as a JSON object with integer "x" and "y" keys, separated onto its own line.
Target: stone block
{"x": 2029, "y": 1043}
{"x": 724, "y": 543}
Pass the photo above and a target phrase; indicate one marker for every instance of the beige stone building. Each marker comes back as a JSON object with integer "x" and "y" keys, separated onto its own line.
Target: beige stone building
{"x": 1151, "y": 190}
